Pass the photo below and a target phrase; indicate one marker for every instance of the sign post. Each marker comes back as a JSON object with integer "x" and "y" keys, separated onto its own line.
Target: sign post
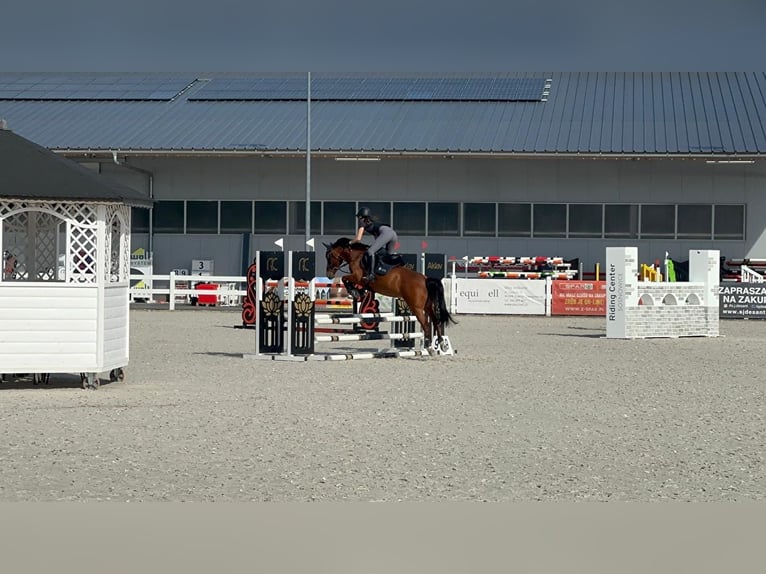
{"x": 621, "y": 288}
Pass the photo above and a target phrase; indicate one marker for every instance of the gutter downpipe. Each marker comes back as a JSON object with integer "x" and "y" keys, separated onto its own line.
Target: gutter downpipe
{"x": 150, "y": 177}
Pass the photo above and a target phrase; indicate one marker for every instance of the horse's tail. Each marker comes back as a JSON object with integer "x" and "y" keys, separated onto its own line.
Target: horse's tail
{"x": 436, "y": 301}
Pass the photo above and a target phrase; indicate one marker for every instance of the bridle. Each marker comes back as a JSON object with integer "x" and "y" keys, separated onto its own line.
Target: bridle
{"x": 336, "y": 262}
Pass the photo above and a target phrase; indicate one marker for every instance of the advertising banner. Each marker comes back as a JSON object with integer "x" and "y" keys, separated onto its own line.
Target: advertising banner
{"x": 500, "y": 296}
{"x": 578, "y": 298}
{"x": 434, "y": 266}
{"x": 141, "y": 264}
{"x": 742, "y": 300}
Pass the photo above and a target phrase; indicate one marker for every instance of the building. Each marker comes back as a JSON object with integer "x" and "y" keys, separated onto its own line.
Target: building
{"x": 516, "y": 164}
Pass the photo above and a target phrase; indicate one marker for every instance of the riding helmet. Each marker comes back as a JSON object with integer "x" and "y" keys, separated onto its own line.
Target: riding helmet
{"x": 364, "y": 212}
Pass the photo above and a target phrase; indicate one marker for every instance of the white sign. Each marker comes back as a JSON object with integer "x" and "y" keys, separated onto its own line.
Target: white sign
{"x": 140, "y": 257}
{"x": 621, "y": 288}
{"x": 202, "y": 267}
{"x": 500, "y": 296}
{"x": 141, "y": 264}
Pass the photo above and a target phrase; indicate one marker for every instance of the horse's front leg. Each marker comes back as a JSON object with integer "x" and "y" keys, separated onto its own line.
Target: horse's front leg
{"x": 350, "y": 283}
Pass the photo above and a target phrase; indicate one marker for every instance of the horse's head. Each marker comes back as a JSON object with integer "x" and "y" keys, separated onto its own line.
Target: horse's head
{"x": 337, "y": 254}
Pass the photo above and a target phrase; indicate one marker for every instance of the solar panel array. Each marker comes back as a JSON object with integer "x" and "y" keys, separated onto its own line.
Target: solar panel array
{"x": 49, "y": 87}
{"x": 375, "y": 89}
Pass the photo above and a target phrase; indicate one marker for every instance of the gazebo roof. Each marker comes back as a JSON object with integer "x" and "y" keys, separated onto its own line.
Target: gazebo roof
{"x": 29, "y": 171}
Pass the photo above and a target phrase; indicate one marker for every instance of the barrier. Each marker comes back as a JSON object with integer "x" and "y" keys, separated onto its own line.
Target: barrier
{"x": 341, "y": 319}
{"x": 499, "y": 267}
{"x": 287, "y": 328}
{"x": 498, "y": 260}
{"x": 637, "y": 309}
{"x": 526, "y": 274}
{"x": 367, "y": 337}
{"x": 384, "y": 354}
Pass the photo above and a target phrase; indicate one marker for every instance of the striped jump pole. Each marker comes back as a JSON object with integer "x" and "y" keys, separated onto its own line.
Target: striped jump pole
{"x": 384, "y": 354}
{"x": 351, "y": 319}
{"x": 367, "y": 337}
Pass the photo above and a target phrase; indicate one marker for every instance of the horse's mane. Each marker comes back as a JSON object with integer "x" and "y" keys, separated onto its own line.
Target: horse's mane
{"x": 344, "y": 242}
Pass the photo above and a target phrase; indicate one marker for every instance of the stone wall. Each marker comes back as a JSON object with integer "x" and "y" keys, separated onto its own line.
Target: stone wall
{"x": 671, "y": 310}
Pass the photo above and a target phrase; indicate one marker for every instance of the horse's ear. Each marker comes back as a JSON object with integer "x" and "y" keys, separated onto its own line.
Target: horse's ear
{"x": 327, "y": 245}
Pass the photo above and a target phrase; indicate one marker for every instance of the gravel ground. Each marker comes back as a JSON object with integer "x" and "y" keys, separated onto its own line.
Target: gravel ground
{"x": 530, "y": 408}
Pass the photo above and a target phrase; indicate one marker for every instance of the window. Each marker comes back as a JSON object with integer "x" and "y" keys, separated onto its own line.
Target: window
{"x": 729, "y": 222}
{"x": 236, "y": 216}
{"x": 514, "y": 219}
{"x": 271, "y": 217}
{"x": 201, "y": 217}
{"x": 479, "y": 219}
{"x": 298, "y": 218}
{"x": 620, "y": 221}
{"x": 410, "y": 218}
{"x": 168, "y": 217}
{"x": 585, "y": 219}
{"x": 443, "y": 218}
{"x": 658, "y": 221}
{"x": 695, "y": 221}
{"x": 550, "y": 220}
{"x": 339, "y": 218}
{"x": 139, "y": 220}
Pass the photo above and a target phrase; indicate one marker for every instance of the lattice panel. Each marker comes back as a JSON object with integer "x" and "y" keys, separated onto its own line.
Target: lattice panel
{"x": 112, "y": 251}
{"x": 125, "y": 241}
{"x": 46, "y": 245}
{"x": 83, "y": 250}
{"x": 117, "y": 249}
{"x": 36, "y": 233}
{"x": 83, "y": 214}
{"x": 15, "y": 241}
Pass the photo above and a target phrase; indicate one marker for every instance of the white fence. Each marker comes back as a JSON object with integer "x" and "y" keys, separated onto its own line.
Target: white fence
{"x": 230, "y": 289}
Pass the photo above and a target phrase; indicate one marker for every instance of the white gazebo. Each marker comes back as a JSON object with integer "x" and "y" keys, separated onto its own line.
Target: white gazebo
{"x": 65, "y": 240}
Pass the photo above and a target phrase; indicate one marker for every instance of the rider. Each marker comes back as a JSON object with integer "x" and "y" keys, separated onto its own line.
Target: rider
{"x": 385, "y": 238}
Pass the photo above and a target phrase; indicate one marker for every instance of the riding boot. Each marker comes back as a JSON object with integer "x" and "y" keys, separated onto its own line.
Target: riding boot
{"x": 368, "y": 268}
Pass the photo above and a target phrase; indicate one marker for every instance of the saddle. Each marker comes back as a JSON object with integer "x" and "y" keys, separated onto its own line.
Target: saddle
{"x": 384, "y": 262}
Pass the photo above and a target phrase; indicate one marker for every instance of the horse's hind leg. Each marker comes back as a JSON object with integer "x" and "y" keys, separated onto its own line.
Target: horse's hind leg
{"x": 420, "y": 315}
{"x": 437, "y": 328}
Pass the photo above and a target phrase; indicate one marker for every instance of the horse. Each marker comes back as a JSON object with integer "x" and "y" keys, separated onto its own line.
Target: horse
{"x": 424, "y": 295}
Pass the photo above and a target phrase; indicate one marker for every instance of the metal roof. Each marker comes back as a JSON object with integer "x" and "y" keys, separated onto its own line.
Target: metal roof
{"x": 31, "y": 171}
{"x": 716, "y": 113}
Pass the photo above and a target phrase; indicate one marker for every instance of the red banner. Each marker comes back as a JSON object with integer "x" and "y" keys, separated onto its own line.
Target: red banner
{"x": 578, "y": 298}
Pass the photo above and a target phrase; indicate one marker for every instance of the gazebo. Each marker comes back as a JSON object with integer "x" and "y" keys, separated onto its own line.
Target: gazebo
{"x": 64, "y": 286}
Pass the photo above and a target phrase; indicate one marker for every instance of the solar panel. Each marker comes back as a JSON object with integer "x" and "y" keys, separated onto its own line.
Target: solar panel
{"x": 373, "y": 89}
{"x": 85, "y": 87}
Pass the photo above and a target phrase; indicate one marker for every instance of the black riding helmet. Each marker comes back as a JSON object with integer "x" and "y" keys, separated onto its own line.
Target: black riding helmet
{"x": 364, "y": 212}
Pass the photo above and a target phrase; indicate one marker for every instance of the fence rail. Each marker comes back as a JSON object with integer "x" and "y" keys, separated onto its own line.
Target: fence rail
{"x": 229, "y": 291}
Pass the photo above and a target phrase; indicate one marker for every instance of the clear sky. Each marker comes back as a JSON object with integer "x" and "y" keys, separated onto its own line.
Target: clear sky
{"x": 382, "y": 35}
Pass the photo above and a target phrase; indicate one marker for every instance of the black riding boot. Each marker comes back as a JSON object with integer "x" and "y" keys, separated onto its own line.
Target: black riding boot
{"x": 367, "y": 263}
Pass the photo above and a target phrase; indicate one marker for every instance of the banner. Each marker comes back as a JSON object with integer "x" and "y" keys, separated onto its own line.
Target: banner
{"x": 742, "y": 300}
{"x": 500, "y": 296}
{"x": 578, "y": 298}
{"x": 141, "y": 264}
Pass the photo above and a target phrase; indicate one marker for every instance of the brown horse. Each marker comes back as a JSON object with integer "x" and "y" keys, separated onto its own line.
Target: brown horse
{"x": 424, "y": 295}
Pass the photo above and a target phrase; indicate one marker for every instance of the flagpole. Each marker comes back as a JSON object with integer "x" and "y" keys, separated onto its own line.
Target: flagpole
{"x": 308, "y": 157}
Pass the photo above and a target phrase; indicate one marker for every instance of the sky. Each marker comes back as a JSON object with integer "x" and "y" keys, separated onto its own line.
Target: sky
{"x": 381, "y": 35}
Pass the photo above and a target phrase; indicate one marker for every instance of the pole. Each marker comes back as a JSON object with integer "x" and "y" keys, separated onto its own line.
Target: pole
{"x": 308, "y": 157}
